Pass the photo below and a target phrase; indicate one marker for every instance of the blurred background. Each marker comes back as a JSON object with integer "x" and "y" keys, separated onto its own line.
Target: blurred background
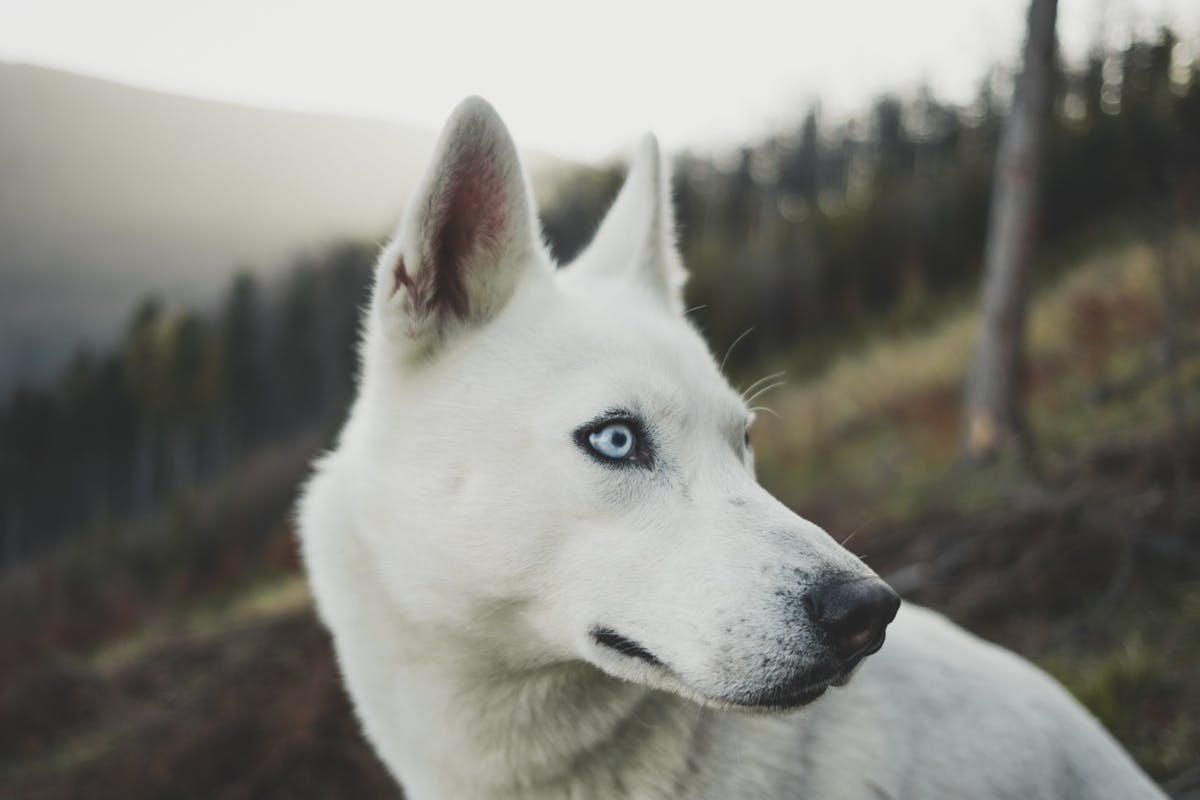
{"x": 191, "y": 199}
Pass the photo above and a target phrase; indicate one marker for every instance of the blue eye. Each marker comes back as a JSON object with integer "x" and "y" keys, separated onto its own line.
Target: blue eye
{"x": 615, "y": 441}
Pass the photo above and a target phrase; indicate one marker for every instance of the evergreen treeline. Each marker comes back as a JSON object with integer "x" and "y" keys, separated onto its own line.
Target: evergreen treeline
{"x": 185, "y": 399}
{"x": 826, "y": 228}
{"x": 808, "y": 235}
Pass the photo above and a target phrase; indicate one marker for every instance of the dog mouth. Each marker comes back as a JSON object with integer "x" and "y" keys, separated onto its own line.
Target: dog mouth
{"x": 804, "y": 688}
{"x": 796, "y": 692}
{"x": 807, "y": 686}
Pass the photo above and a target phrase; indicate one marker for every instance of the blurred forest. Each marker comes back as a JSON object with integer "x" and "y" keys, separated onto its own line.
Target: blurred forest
{"x": 166, "y": 468}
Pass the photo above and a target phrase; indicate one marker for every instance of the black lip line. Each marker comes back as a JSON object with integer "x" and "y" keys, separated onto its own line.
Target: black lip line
{"x": 626, "y": 647}
{"x": 787, "y": 701}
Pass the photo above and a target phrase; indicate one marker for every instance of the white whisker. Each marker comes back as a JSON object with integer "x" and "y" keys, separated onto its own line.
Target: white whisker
{"x": 741, "y": 336}
{"x": 763, "y": 390}
{"x": 770, "y": 411}
{"x": 759, "y": 382}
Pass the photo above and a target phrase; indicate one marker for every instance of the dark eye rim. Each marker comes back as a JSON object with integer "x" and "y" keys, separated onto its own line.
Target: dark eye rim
{"x": 642, "y": 454}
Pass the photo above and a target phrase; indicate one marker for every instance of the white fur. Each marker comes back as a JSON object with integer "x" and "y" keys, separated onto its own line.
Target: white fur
{"x": 463, "y": 546}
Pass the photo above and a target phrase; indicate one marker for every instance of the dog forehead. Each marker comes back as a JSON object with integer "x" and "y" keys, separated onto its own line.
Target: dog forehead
{"x": 617, "y": 334}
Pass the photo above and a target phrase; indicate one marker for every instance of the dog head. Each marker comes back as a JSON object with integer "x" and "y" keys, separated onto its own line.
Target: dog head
{"x": 553, "y": 467}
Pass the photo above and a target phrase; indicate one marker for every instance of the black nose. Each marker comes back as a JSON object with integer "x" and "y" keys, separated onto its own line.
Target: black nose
{"x": 854, "y": 614}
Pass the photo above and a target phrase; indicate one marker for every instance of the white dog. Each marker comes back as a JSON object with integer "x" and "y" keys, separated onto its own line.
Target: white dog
{"x": 549, "y": 570}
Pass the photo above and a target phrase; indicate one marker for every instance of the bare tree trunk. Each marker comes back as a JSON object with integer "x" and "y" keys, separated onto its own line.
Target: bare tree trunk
{"x": 992, "y": 415}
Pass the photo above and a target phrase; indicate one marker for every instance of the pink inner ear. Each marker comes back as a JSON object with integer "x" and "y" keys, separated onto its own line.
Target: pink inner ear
{"x": 468, "y": 231}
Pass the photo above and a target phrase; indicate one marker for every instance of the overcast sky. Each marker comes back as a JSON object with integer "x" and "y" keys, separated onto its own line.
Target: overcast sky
{"x": 581, "y": 82}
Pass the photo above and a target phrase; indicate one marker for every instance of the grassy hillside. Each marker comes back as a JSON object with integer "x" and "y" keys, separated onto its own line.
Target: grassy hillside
{"x": 885, "y": 419}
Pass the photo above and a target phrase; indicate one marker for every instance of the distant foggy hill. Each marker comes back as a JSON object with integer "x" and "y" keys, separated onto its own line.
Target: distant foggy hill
{"x": 109, "y": 193}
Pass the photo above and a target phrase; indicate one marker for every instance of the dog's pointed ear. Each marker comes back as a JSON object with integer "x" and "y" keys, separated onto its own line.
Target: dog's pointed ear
{"x": 637, "y": 237}
{"x": 468, "y": 236}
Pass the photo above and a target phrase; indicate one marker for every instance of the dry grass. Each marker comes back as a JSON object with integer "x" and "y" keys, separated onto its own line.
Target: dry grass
{"x": 269, "y": 599}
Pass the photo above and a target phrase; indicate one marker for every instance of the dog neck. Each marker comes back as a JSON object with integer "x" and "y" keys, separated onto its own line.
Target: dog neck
{"x": 570, "y": 730}
{"x": 451, "y": 721}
